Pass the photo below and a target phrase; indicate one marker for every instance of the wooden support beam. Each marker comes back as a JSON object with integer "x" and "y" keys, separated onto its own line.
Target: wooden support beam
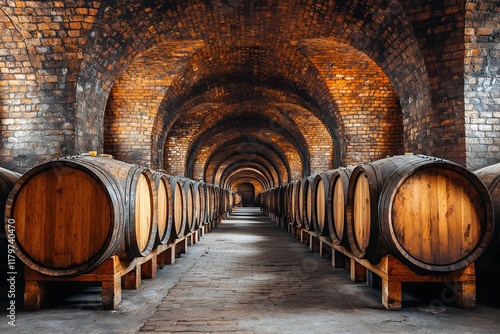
{"x": 34, "y": 295}
{"x": 111, "y": 292}
{"x": 149, "y": 268}
{"x": 132, "y": 279}
{"x": 338, "y": 259}
{"x": 358, "y": 272}
{"x": 170, "y": 255}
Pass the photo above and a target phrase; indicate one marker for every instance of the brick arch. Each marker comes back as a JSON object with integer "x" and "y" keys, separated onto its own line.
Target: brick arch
{"x": 390, "y": 41}
{"x": 247, "y": 191}
{"x": 242, "y": 150}
{"x": 142, "y": 29}
{"x": 236, "y": 175}
{"x": 282, "y": 115}
{"x": 19, "y": 96}
{"x": 246, "y": 178}
{"x": 135, "y": 97}
{"x": 260, "y": 127}
{"x": 228, "y": 180}
{"x": 258, "y": 161}
{"x": 42, "y": 42}
{"x": 123, "y": 31}
{"x": 292, "y": 159}
{"x": 232, "y": 85}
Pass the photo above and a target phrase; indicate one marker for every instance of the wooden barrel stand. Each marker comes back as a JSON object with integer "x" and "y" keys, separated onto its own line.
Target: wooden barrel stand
{"x": 393, "y": 273}
{"x": 110, "y": 274}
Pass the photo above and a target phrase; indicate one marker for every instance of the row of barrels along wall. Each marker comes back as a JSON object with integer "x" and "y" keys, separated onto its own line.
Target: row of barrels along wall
{"x": 73, "y": 213}
{"x": 433, "y": 215}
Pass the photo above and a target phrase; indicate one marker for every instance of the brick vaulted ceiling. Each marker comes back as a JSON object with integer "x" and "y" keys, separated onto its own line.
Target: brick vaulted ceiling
{"x": 241, "y": 92}
{"x": 272, "y": 89}
{"x": 231, "y": 90}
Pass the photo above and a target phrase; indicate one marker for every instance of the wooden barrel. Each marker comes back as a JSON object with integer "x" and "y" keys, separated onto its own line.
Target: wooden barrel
{"x": 276, "y": 201}
{"x": 336, "y": 207}
{"x": 320, "y": 192}
{"x": 200, "y": 204}
{"x": 213, "y": 197}
{"x": 222, "y": 201}
{"x": 227, "y": 200}
{"x": 292, "y": 203}
{"x": 7, "y": 180}
{"x": 188, "y": 204}
{"x": 179, "y": 218}
{"x": 490, "y": 176}
{"x": 287, "y": 188}
{"x": 300, "y": 203}
{"x": 432, "y": 214}
{"x": 308, "y": 202}
{"x": 217, "y": 202}
{"x": 270, "y": 201}
{"x": 264, "y": 201}
{"x": 232, "y": 200}
{"x": 209, "y": 200}
{"x": 74, "y": 213}
{"x": 282, "y": 202}
{"x": 238, "y": 199}
{"x": 165, "y": 207}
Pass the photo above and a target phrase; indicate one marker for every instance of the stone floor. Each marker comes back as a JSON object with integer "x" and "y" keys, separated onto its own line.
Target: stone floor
{"x": 250, "y": 276}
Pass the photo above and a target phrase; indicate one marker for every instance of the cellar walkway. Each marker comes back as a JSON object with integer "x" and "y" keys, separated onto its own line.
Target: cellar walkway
{"x": 250, "y": 276}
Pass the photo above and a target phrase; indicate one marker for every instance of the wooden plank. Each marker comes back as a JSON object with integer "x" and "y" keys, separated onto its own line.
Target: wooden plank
{"x": 338, "y": 259}
{"x": 34, "y": 295}
{"x": 358, "y": 272}
{"x": 182, "y": 245}
{"x": 392, "y": 296}
{"x": 170, "y": 255}
{"x": 132, "y": 279}
{"x": 111, "y": 293}
{"x": 150, "y": 267}
{"x": 465, "y": 293}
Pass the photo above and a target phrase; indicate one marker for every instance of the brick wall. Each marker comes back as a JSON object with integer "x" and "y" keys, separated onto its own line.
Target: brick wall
{"x": 482, "y": 83}
{"x": 247, "y": 189}
{"x": 39, "y": 62}
{"x": 367, "y": 103}
{"x": 135, "y": 98}
{"x": 439, "y": 28}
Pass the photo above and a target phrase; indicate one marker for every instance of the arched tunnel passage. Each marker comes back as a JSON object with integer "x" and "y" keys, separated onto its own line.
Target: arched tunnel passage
{"x": 247, "y": 192}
